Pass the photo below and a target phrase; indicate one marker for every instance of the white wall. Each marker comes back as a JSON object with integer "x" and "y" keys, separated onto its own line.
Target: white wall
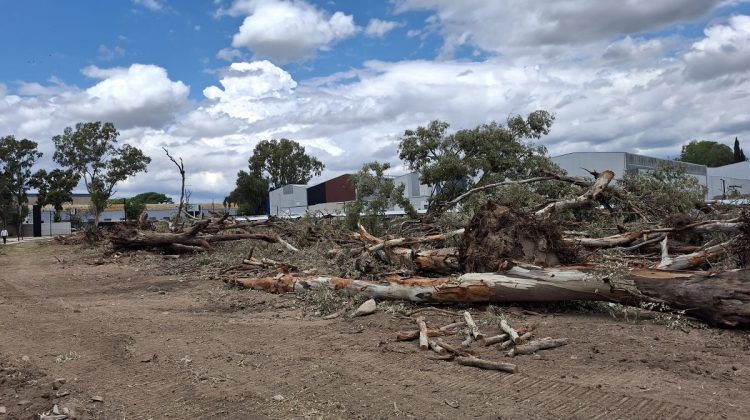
{"x": 735, "y": 174}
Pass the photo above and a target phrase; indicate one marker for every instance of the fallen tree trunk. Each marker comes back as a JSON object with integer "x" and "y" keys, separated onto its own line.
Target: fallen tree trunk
{"x": 694, "y": 259}
{"x": 721, "y": 300}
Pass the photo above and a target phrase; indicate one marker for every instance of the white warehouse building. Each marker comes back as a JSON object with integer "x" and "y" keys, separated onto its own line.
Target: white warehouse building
{"x": 721, "y": 181}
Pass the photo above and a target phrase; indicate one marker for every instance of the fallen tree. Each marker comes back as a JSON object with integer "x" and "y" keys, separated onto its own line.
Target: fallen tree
{"x": 722, "y": 299}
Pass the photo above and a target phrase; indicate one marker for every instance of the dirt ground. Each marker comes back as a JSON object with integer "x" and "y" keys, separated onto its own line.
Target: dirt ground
{"x": 153, "y": 342}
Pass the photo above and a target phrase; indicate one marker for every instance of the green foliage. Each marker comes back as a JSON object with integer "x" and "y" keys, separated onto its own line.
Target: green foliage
{"x": 55, "y": 187}
{"x": 666, "y": 190}
{"x": 739, "y": 154}
{"x": 250, "y": 193}
{"x": 90, "y": 151}
{"x": 474, "y": 157}
{"x": 152, "y": 197}
{"x": 283, "y": 162}
{"x": 708, "y": 153}
{"x": 17, "y": 157}
{"x": 376, "y": 193}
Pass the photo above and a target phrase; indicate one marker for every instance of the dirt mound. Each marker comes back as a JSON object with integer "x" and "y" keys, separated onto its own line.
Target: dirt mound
{"x": 498, "y": 232}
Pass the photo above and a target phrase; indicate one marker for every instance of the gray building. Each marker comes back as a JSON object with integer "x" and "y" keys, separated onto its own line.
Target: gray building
{"x": 621, "y": 163}
{"x": 417, "y": 193}
{"x": 289, "y": 200}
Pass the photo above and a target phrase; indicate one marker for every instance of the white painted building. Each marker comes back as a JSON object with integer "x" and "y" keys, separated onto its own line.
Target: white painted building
{"x": 729, "y": 179}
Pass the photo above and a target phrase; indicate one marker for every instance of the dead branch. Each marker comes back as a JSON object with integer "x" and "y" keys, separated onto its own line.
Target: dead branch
{"x": 473, "y": 329}
{"x": 488, "y": 341}
{"x": 512, "y": 334}
{"x": 695, "y": 259}
{"x": 181, "y": 169}
{"x": 601, "y": 183}
{"x": 423, "y": 343}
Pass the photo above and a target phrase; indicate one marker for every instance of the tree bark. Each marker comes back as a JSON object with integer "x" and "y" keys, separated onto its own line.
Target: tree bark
{"x": 600, "y": 185}
{"x": 722, "y": 300}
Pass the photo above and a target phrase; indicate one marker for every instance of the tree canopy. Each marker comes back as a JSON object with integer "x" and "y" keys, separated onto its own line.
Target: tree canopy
{"x": 17, "y": 157}
{"x": 739, "y": 154}
{"x": 282, "y": 162}
{"x": 90, "y": 151}
{"x": 375, "y": 194}
{"x": 473, "y": 157}
{"x": 708, "y": 153}
{"x": 55, "y": 187}
{"x": 250, "y": 194}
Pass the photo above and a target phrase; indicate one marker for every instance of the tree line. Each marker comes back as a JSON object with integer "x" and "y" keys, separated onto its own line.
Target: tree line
{"x": 88, "y": 152}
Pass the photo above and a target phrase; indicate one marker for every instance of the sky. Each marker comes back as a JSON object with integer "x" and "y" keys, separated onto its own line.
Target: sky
{"x": 210, "y": 79}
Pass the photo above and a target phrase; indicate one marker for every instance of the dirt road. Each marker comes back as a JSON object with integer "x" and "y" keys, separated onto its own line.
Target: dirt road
{"x": 154, "y": 344}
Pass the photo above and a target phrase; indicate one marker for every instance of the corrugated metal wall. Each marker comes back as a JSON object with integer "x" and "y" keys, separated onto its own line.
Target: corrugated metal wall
{"x": 339, "y": 189}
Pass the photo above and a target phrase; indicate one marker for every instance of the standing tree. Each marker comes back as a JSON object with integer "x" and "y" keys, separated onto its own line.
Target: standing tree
{"x": 707, "y": 152}
{"x": 91, "y": 152}
{"x": 739, "y": 154}
{"x": 250, "y": 194}
{"x": 17, "y": 157}
{"x": 55, "y": 188}
{"x": 181, "y": 169}
{"x": 474, "y": 157}
{"x": 375, "y": 194}
{"x": 283, "y": 162}
{"x": 135, "y": 205}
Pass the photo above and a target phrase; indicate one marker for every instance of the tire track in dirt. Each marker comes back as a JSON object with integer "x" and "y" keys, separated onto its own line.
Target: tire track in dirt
{"x": 556, "y": 398}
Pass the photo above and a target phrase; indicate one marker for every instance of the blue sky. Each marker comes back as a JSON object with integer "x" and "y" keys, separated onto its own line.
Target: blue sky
{"x": 209, "y": 79}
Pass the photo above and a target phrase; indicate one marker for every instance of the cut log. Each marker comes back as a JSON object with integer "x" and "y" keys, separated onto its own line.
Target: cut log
{"x": 437, "y": 348}
{"x": 719, "y": 299}
{"x": 536, "y": 345}
{"x": 452, "y": 326}
{"x": 487, "y": 364}
{"x": 488, "y": 341}
{"x": 512, "y": 334}
{"x": 413, "y": 335}
{"x": 473, "y": 329}
{"x": 504, "y": 345}
{"x": 423, "y": 343}
{"x": 451, "y": 349}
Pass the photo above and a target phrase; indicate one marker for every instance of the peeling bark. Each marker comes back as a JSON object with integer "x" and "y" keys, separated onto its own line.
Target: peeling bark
{"x": 721, "y": 300}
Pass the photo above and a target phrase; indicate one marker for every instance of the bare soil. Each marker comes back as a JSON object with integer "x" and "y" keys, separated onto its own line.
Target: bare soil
{"x": 155, "y": 342}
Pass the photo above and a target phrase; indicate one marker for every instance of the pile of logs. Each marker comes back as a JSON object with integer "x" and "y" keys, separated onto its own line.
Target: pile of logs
{"x": 510, "y": 341}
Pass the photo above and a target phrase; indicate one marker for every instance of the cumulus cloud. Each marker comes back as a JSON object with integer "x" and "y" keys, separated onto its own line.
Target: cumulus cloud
{"x": 136, "y": 95}
{"x": 229, "y": 54}
{"x": 724, "y": 50}
{"x": 378, "y": 28}
{"x": 288, "y": 31}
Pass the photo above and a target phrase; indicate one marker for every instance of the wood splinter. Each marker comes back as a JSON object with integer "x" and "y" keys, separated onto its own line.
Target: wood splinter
{"x": 473, "y": 329}
{"x": 487, "y": 364}
{"x": 536, "y": 345}
{"x": 423, "y": 343}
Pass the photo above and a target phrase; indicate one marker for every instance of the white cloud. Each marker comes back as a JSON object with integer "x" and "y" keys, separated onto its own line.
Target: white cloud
{"x": 108, "y": 54}
{"x": 288, "y": 31}
{"x": 546, "y": 25}
{"x": 378, "y": 28}
{"x": 137, "y": 95}
{"x": 153, "y": 5}
{"x": 229, "y": 54}
{"x": 724, "y": 50}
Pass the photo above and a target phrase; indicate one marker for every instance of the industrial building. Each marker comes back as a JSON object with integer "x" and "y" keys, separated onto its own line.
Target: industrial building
{"x": 721, "y": 182}
{"x": 329, "y": 197}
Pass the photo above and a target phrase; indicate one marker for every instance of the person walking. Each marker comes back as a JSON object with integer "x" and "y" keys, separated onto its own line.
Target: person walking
{"x": 4, "y": 234}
